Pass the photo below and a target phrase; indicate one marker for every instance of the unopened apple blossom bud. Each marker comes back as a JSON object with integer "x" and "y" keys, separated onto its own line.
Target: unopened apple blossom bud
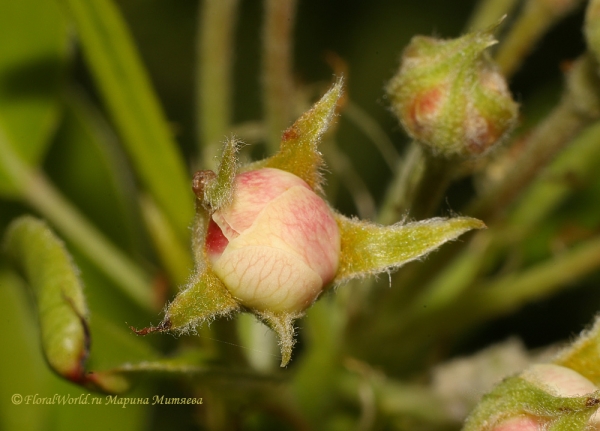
{"x": 449, "y": 95}
{"x": 276, "y": 245}
{"x": 543, "y": 397}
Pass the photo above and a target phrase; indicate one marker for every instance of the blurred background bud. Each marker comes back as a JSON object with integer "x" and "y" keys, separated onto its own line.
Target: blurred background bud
{"x": 449, "y": 95}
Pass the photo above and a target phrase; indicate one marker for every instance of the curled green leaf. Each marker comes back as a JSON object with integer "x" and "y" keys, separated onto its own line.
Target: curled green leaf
{"x": 63, "y": 313}
{"x": 368, "y": 248}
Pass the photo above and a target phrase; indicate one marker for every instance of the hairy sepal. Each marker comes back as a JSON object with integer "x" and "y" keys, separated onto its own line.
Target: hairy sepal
{"x": 298, "y": 151}
{"x": 368, "y": 248}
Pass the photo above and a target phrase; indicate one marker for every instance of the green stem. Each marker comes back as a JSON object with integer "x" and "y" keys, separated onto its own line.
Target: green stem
{"x": 397, "y": 399}
{"x": 489, "y": 12}
{"x": 536, "y": 17}
{"x": 277, "y": 68}
{"x": 372, "y": 130}
{"x": 41, "y": 195}
{"x": 176, "y": 259}
{"x": 546, "y": 141}
{"x": 342, "y": 166}
{"x": 578, "y": 164}
{"x": 437, "y": 176}
{"x": 418, "y": 187}
{"x": 514, "y": 290}
{"x": 214, "y": 84}
{"x": 399, "y": 195}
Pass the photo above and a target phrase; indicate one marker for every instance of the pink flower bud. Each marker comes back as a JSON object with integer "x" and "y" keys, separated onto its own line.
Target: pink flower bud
{"x": 276, "y": 245}
{"x": 450, "y": 96}
{"x": 558, "y": 381}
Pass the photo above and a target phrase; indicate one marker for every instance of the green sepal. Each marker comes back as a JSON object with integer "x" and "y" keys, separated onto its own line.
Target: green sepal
{"x": 516, "y": 396}
{"x": 298, "y": 151}
{"x": 283, "y": 325}
{"x": 202, "y": 300}
{"x": 583, "y": 354}
{"x": 369, "y": 248}
{"x": 63, "y": 314}
{"x": 219, "y": 192}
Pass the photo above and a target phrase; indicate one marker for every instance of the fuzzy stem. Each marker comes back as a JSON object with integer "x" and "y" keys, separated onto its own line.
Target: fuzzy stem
{"x": 277, "y": 68}
{"x": 400, "y": 192}
{"x": 437, "y": 176}
{"x": 510, "y": 292}
{"x": 41, "y": 195}
{"x": 418, "y": 187}
{"x": 536, "y": 17}
{"x": 213, "y": 87}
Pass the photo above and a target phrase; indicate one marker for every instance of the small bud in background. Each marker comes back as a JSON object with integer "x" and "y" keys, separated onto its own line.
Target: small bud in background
{"x": 450, "y": 96}
{"x": 277, "y": 245}
{"x": 543, "y": 397}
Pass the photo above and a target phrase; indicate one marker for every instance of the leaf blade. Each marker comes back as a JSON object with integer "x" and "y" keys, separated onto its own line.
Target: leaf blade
{"x": 127, "y": 92}
{"x": 33, "y": 55}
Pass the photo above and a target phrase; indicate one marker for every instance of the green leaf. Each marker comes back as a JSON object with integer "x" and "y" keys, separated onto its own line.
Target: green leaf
{"x": 33, "y": 52}
{"x": 368, "y": 248}
{"x": 127, "y": 92}
{"x": 298, "y": 152}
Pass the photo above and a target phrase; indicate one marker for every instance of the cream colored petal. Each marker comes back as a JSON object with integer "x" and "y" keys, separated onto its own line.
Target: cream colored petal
{"x": 253, "y": 192}
{"x": 267, "y": 278}
{"x": 301, "y": 223}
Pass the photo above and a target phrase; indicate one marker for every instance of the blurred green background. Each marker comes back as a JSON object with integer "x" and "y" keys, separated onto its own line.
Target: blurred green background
{"x": 368, "y": 35}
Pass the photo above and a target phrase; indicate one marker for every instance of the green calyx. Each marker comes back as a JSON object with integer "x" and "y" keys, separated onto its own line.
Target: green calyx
{"x": 366, "y": 248}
